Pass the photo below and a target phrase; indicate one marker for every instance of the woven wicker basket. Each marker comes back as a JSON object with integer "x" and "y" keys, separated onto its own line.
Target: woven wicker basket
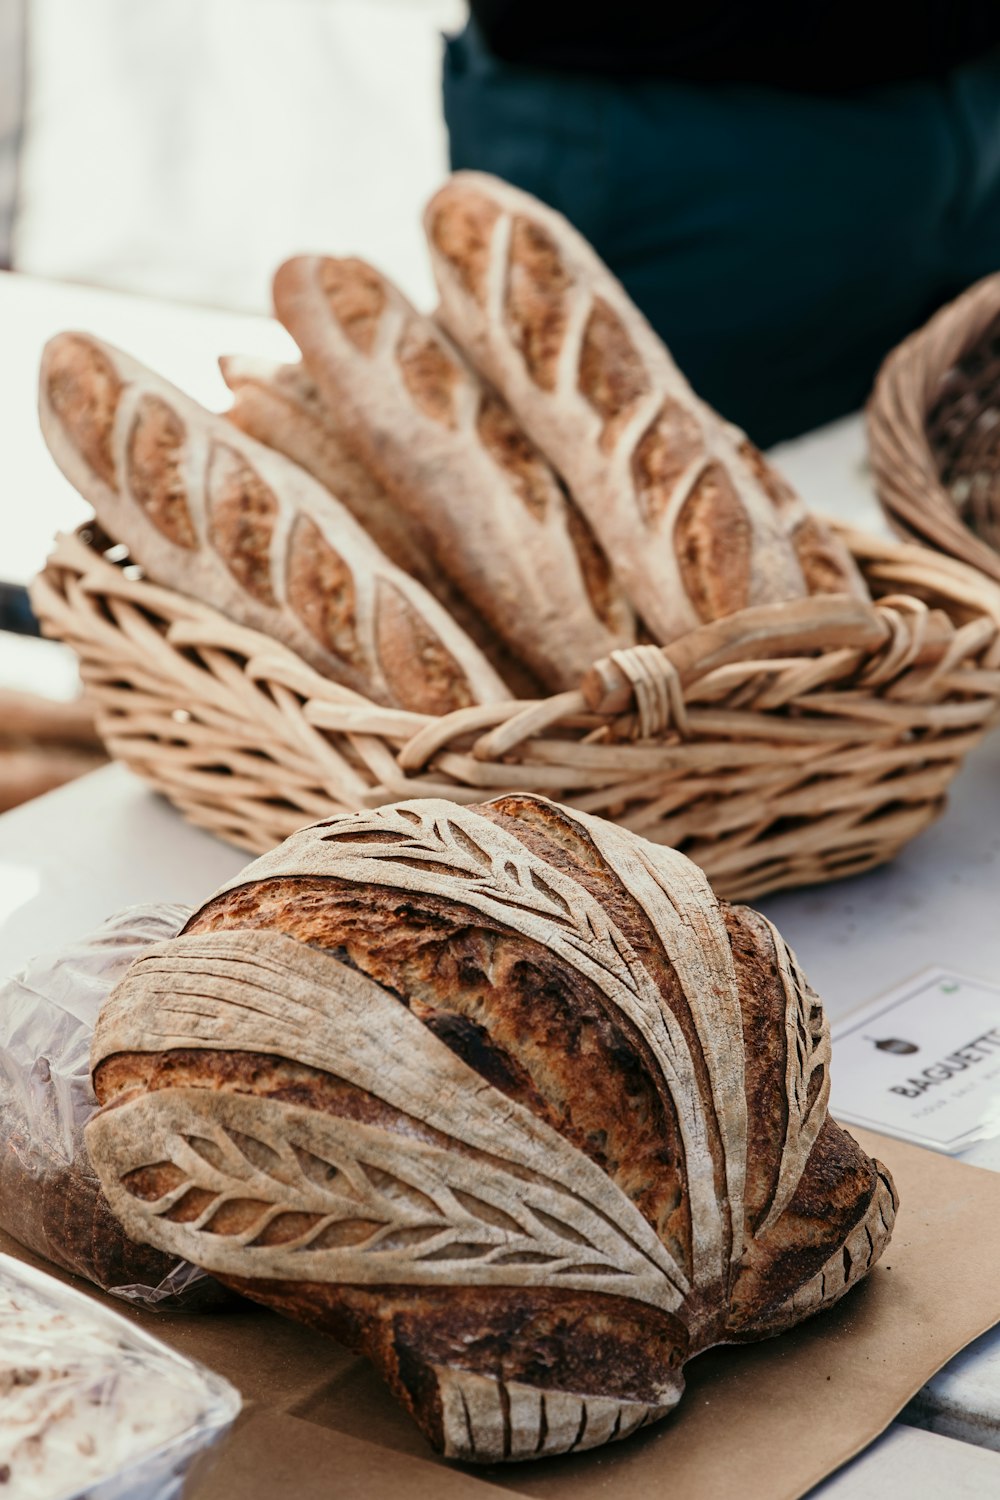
{"x": 785, "y": 745}
{"x": 934, "y": 430}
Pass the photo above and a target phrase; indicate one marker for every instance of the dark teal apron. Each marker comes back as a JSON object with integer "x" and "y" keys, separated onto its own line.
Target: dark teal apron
{"x": 780, "y": 243}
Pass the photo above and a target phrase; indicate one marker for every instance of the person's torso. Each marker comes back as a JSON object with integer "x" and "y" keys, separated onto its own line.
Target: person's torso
{"x": 828, "y": 45}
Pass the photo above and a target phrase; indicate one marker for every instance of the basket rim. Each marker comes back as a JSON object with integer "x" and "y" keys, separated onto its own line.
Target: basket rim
{"x": 814, "y": 627}
{"x": 906, "y": 477}
{"x": 771, "y": 770}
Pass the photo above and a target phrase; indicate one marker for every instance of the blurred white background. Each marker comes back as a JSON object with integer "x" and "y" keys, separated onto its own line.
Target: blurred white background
{"x": 182, "y": 148}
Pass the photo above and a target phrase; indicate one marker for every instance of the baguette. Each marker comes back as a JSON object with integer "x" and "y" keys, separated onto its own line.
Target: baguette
{"x": 696, "y": 521}
{"x": 281, "y": 407}
{"x": 207, "y": 511}
{"x": 448, "y": 448}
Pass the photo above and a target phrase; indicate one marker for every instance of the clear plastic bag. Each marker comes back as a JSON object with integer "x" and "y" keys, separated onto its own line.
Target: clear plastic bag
{"x": 50, "y": 1199}
{"x": 92, "y": 1406}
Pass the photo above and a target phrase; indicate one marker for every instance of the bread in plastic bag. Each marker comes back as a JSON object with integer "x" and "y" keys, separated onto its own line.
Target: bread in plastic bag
{"x": 50, "y": 1199}
{"x": 92, "y": 1406}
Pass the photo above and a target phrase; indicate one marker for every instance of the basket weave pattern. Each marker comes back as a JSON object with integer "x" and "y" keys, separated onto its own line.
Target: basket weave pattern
{"x": 934, "y": 430}
{"x": 786, "y": 745}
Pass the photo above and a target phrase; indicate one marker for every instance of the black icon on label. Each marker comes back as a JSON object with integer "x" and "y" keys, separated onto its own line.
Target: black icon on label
{"x": 893, "y": 1044}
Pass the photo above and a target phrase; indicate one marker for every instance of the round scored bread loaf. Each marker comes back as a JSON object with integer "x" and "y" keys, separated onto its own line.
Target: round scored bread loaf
{"x": 502, "y": 1097}
{"x": 207, "y": 511}
{"x": 696, "y": 522}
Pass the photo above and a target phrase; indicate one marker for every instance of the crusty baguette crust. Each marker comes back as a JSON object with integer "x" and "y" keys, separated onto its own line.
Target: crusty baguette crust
{"x": 449, "y": 450}
{"x": 206, "y": 510}
{"x": 505, "y": 1098}
{"x": 697, "y": 523}
{"x": 280, "y": 406}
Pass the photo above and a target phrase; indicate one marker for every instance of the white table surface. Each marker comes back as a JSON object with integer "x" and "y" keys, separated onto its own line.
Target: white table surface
{"x": 71, "y": 858}
{"x": 905, "y": 1464}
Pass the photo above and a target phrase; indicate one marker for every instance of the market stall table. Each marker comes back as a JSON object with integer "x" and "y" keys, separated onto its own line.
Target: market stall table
{"x": 70, "y": 859}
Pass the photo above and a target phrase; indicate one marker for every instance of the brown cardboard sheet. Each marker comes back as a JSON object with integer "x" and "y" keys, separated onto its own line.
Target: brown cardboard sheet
{"x": 766, "y": 1421}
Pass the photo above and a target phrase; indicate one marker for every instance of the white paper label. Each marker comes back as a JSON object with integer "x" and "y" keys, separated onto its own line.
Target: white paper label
{"x": 922, "y": 1062}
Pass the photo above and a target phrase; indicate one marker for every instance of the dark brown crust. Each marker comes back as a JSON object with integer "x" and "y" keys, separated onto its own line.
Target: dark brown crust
{"x": 471, "y": 1041}
{"x": 411, "y": 655}
{"x": 585, "y": 1343}
{"x": 833, "y": 1195}
{"x": 430, "y": 374}
{"x": 357, "y": 298}
{"x": 546, "y": 1337}
{"x": 612, "y": 375}
{"x": 462, "y": 227}
{"x": 242, "y": 511}
{"x": 320, "y": 589}
{"x": 84, "y": 390}
{"x": 762, "y": 1000}
{"x": 153, "y": 1180}
{"x": 153, "y": 459}
{"x": 670, "y": 445}
{"x": 513, "y": 451}
{"x": 552, "y": 1044}
{"x": 713, "y": 540}
{"x": 535, "y": 305}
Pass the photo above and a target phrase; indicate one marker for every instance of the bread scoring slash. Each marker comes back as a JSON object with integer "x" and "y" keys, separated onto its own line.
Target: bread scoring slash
{"x": 502, "y": 1097}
